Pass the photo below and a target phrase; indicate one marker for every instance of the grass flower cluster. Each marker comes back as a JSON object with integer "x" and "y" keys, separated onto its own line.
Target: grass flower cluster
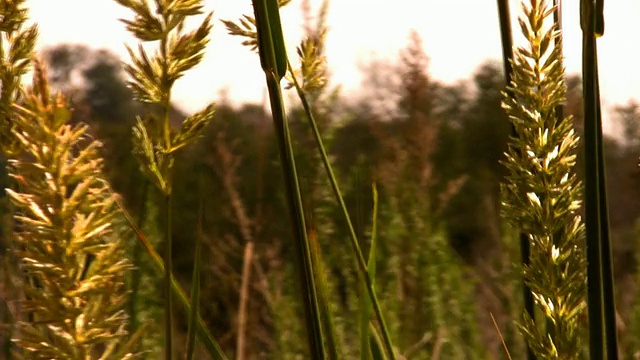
{"x": 71, "y": 251}
{"x": 155, "y": 142}
{"x": 542, "y": 195}
{"x": 16, "y": 49}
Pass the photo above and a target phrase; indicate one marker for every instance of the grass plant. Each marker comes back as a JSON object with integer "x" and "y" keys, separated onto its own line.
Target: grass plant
{"x": 67, "y": 235}
{"x": 155, "y": 143}
{"x": 542, "y": 195}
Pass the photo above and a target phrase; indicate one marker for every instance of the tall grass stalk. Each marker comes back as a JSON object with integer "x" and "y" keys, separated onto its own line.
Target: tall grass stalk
{"x": 362, "y": 266}
{"x": 274, "y": 64}
{"x": 195, "y": 287}
{"x": 602, "y": 315}
{"x": 204, "y": 334}
{"x": 155, "y": 143}
{"x": 145, "y": 307}
{"x": 312, "y": 66}
{"x": 365, "y": 302}
{"x": 328, "y": 326}
{"x": 542, "y": 192}
{"x": 244, "y": 299}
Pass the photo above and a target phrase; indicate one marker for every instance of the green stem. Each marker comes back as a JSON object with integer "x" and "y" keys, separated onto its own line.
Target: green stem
{"x": 203, "y": 332}
{"x": 273, "y": 62}
{"x": 195, "y": 288}
{"x": 168, "y": 256}
{"x": 592, "y": 177}
{"x": 167, "y": 284}
{"x": 608, "y": 288}
{"x": 301, "y": 242}
{"x": 136, "y": 274}
{"x": 362, "y": 267}
{"x": 167, "y": 191}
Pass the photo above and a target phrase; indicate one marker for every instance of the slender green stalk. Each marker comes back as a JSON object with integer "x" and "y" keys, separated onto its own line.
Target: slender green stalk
{"x": 135, "y": 259}
{"x": 377, "y": 349}
{"x": 167, "y": 194}
{"x": 362, "y": 267}
{"x": 608, "y": 286}
{"x": 168, "y": 270}
{"x": 328, "y": 327}
{"x": 195, "y": 289}
{"x": 597, "y": 327}
{"x": 273, "y": 61}
{"x": 167, "y": 175}
{"x": 602, "y": 314}
{"x": 244, "y": 299}
{"x": 152, "y": 82}
{"x": 292, "y": 188}
{"x": 365, "y": 302}
{"x": 507, "y": 59}
{"x": 205, "y": 336}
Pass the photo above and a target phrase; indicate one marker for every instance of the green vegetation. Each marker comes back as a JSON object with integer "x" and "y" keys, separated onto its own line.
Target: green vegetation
{"x": 418, "y": 215}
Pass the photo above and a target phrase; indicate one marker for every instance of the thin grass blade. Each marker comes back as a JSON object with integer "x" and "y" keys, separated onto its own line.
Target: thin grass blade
{"x": 244, "y": 299}
{"x": 272, "y": 56}
{"x": 362, "y": 267}
{"x": 211, "y": 346}
{"x": 608, "y": 286}
{"x": 271, "y": 47}
{"x": 599, "y": 25}
{"x": 365, "y": 302}
{"x": 195, "y": 291}
{"x": 376, "y": 344}
{"x": 328, "y": 327}
{"x": 130, "y": 345}
{"x": 301, "y": 243}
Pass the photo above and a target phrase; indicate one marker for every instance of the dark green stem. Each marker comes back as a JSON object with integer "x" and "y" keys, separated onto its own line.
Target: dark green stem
{"x": 362, "y": 267}
{"x": 206, "y": 339}
{"x": 294, "y": 200}
{"x": 592, "y": 187}
{"x": 195, "y": 287}
{"x": 168, "y": 308}
{"x": 167, "y": 191}
{"x": 608, "y": 287}
{"x": 136, "y": 274}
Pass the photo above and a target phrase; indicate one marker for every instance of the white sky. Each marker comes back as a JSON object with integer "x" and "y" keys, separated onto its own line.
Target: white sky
{"x": 457, "y": 35}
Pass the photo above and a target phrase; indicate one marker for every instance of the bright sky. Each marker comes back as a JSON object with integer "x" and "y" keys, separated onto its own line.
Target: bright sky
{"x": 457, "y": 35}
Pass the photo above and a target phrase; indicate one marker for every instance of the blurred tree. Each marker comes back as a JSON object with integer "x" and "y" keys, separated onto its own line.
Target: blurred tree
{"x": 628, "y": 116}
{"x": 474, "y": 136}
{"x": 94, "y": 80}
